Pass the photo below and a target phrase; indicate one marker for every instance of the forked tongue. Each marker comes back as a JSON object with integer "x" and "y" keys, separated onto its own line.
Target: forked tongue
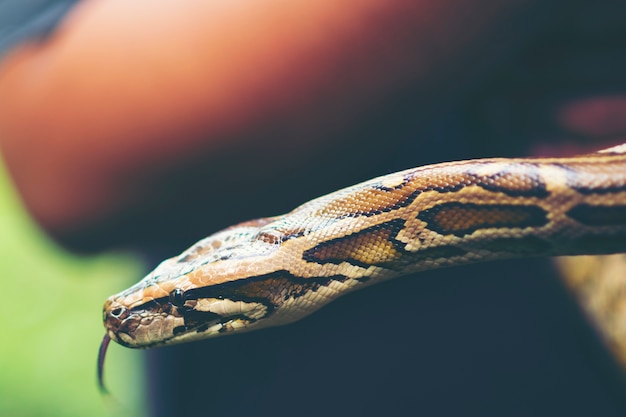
{"x": 101, "y": 355}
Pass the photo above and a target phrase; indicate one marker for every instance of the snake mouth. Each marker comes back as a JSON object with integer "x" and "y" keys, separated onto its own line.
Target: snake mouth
{"x": 122, "y": 338}
{"x": 145, "y": 327}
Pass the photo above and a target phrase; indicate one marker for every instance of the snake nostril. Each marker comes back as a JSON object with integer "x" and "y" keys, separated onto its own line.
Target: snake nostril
{"x": 117, "y": 312}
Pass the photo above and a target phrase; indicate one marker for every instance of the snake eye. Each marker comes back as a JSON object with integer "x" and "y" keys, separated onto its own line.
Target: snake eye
{"x": 177, "y": 297}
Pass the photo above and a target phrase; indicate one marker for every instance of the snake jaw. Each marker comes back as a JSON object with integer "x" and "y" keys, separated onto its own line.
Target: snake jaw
{"x": 137, "y": 327}
{"x": 157, "y": 322}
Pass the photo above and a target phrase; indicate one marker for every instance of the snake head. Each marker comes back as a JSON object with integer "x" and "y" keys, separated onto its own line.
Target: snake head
{"x": 156, "y": 315}
{"x": 179, "y": 316}
{"x": 227, "y": 283}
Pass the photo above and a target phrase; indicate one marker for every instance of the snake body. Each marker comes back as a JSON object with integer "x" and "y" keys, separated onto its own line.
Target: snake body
{"x": 276, "y": 270}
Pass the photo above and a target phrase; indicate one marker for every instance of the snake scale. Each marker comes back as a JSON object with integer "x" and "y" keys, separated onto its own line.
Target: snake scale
{"x": 276, "y": 270}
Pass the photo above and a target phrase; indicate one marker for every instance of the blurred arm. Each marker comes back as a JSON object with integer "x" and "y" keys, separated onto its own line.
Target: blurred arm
{"x": 124, "y": 91}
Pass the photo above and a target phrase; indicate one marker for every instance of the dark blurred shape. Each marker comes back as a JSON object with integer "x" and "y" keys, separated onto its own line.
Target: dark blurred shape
{"x": 22, "y": 20}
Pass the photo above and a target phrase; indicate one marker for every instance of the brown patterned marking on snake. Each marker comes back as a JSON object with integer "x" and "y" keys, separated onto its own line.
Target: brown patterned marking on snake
{"x": 597, "y": 215}
{"x": 372, "y": 200}
{"x": 604, "y": 177}
{"x": 277, "y": 234}
{"x": 371, "y": 246}
{"x": 271, "y": 237}
{"x": 513, "y": 179}
{"x": 269, "y": 289}
{"x": 462, "y": 219}
{"x": 376, "y": 246}
{"x": 380, "y": 198}
{"x": 199, "y": 251}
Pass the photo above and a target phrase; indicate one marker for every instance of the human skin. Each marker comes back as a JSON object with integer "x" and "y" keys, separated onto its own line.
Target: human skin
{"x": 123, "y": 92}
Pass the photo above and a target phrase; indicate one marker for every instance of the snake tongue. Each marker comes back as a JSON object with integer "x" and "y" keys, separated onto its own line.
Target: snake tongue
{"x": 101, "y": 355}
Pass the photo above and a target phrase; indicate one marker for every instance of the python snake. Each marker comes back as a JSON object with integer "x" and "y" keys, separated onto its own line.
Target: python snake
{"x": 276, "y": 270}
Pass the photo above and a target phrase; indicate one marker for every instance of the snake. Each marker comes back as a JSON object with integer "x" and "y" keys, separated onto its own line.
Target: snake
{"x": 276, "y": 270}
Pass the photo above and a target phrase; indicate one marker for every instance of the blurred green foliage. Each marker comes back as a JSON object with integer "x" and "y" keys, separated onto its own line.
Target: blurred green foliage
{"x": 51, "y": 324}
